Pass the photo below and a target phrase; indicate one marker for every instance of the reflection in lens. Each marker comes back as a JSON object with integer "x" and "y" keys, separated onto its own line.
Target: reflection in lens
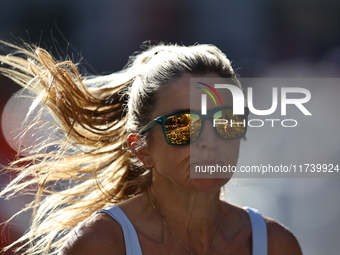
{"x": 233, "y": 126}
{"x": 177, "y": 129}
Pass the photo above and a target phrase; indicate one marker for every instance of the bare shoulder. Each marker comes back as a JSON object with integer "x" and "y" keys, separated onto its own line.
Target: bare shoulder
{"x": 99, "y": 234}
{"x": 281, "y": 241}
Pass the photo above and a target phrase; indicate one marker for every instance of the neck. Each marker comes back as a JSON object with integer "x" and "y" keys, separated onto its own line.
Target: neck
{"x": 192, "y": 217}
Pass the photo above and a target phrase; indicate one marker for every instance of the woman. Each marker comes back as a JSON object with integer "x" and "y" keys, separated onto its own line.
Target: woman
{"x": 151, "y": 205}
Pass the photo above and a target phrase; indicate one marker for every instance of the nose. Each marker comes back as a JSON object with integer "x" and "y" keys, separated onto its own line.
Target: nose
{"x": 208, "y": 138}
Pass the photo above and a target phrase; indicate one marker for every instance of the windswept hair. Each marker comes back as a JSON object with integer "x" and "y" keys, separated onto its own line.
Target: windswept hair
{"x": 85, "y": 165}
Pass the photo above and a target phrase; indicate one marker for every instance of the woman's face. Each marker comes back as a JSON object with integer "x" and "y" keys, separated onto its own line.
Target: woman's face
{"x": 172, "y": 164}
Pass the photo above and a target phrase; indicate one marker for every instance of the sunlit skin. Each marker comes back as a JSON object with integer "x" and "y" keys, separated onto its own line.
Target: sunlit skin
{"x": 190, "y": 207}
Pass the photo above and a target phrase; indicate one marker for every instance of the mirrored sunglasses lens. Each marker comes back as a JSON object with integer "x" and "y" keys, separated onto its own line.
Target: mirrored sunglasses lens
{"x": 228, "y": 125}
{"x": 177, "y": 128}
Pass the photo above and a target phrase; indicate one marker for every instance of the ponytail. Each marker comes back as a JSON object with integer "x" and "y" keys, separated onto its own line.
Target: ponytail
{"x": 88, "y": 136}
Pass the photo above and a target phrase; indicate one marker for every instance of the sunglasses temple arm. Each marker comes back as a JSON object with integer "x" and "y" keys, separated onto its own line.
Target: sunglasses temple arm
{"x": 149, "y": 126}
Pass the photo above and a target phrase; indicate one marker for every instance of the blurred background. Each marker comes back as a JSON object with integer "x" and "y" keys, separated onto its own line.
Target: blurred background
{"x": 263, "y": 38}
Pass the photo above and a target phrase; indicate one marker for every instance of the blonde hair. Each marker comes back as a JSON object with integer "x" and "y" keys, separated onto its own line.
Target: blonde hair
{"x": 89, "y": 166}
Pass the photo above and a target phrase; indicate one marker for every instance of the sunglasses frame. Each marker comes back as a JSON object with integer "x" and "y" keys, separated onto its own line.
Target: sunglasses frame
{"x": 209, "y": 116}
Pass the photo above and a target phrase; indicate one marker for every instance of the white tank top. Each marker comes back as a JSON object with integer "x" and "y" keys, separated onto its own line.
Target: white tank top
{"x": 132, "y": 246}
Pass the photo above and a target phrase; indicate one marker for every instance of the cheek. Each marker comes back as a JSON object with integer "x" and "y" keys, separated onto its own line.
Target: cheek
{"x": 157, "y": 140}
{"x": 161, "y": 152}
{"x": 234, "y": 150}
{"x": 229, "y": 150}
{"x": 168, "y": 157}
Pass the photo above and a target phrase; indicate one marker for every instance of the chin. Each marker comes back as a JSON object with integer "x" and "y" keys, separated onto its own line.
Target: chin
{"x": 207, "y": 184}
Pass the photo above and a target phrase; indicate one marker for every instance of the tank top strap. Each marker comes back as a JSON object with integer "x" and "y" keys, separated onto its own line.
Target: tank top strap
{"x": 132, "y": 245}
{"x": 259, "y": 232}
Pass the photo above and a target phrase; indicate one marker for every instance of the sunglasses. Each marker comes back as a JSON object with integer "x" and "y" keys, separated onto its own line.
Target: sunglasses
{"x": 185, "y": 127}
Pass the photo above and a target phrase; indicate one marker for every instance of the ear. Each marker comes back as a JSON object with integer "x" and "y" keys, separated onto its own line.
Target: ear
{"x": 134, "y": 142}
